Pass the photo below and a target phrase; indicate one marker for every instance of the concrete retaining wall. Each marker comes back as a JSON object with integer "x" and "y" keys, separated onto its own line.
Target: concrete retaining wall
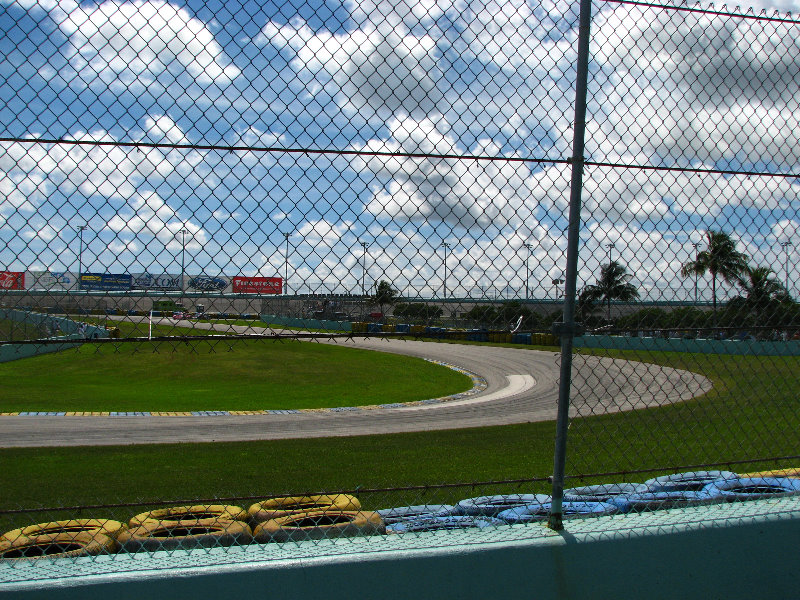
{"x": 62, "y": 328}
{"x": 751, "y": 347}
{"x": 747, "y": 550}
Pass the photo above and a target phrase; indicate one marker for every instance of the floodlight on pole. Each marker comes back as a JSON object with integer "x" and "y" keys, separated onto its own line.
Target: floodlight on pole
{"x": 696, "y": 254}
{"x": 528, "y": 271}
{"x": 786, "y": 246}
{"x": 609, "y": 247}
{"x": 286, "y": 271}
{"x": 80, "y": 229}
{"x": 183, "y": 231}
{"x": 445, "y": 245}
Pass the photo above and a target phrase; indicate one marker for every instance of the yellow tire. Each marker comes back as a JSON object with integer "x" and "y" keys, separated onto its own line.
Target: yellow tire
{"x": 220, "y": 512}
{"x": 274, "y": 508}
{"x": 58, "y": 545}
{"x": 152, "y": 536}
{"x": 791, "y": 473}
{"x": 319, "y": 524}
{"x": 101, "y": 526}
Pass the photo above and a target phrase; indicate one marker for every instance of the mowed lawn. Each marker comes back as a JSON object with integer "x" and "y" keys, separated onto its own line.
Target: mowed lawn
{"x": 752, "y": 412}
{"x": 219, "y": 375}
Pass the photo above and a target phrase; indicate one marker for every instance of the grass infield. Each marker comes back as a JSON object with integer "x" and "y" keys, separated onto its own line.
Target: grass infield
{"x": 229, "y": 375}
{"x": 751, "y": 412}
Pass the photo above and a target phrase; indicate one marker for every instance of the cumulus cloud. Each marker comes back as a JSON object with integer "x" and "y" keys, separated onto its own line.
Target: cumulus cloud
{"x": 696, "y": 88}
{"x": 124, "y": 44}
{"x": 379, "y": 70}
{"x": 466, "y": 192}
{"x": 146, "y": 215}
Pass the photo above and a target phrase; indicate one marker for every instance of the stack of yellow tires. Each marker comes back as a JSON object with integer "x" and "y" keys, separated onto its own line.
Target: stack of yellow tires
{"x": 187, "y": 527}
{"x": 62, "y": 539}
{"x": 318, "y": 517}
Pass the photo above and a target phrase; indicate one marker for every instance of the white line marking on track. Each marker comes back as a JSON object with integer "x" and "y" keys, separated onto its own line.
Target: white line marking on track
{"x": 516, "y": 384}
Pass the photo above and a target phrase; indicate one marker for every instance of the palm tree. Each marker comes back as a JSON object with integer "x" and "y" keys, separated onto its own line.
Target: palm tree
{"x": 761, "y": 286}
{"x": 613, "y": 284}
{"x": 721, "y": 259}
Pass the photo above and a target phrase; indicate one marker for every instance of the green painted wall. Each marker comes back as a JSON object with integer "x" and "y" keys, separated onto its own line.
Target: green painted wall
{"x": 723, "y": 551}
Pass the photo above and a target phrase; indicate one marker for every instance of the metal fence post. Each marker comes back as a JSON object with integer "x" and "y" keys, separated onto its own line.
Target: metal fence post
{"x": 567, "y": 330}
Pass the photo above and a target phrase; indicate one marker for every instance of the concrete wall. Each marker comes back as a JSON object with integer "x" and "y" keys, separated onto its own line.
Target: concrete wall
{"x": 64, "y": 327}
{"x": 746, "y": 550}
{"x": 316, "y": 324}
{"x": 750, "y": 347}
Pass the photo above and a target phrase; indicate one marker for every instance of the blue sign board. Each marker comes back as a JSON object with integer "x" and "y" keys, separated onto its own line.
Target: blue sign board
{"x": 106, "y": 282}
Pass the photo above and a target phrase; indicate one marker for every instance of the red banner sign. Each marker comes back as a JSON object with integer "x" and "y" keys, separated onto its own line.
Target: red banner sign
{"x": 257, "y": 285}
{"x": 12, "y": 280}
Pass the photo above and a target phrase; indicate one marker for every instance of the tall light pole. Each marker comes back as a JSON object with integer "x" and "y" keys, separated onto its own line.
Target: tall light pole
{"x": 445, "y": 245}
{"x": 364, "y": 246}
{"x": 528, "y": 271}
{"x": 183, "y": 233}
{"x": 696, "y": 254}
{"x": 786, "y": 246}
{"x": 286, "y": 276}
{"x": 609, "y": 246}
{"x": 80, "y": 229}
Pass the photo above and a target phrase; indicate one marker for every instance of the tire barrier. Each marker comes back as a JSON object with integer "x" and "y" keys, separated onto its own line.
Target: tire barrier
{"x": 570, "y": 508}
{"x": 442, "y": 523}
{"x": 201, "y": 512}
{"x": 646, "y": 501}
{"x": 105, "y": 527}
{"x": 274, "y": 508}
{"x": 319, "y": 524}
{"x": 690, "y": 481}
{"x": 754, "y": 488}
{"x": 152, "y": 536}
{"x": 58, "y": 545}
{"x": 489, "y": 506}
{"x": 405, "y": 513}
{"x": 603, "y": 492}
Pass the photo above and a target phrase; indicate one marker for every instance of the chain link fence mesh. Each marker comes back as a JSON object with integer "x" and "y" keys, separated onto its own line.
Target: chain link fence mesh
{"x": 184, "y": 180}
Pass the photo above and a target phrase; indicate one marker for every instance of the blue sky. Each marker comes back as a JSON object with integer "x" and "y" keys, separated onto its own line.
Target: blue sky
{"x": 459, "y": 78}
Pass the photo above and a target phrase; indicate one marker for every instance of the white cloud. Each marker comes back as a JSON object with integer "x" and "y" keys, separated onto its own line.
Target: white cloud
{"x": 129, "y": 44}
{"x": 701, "y": 88}
{"x": 147, "y": 215}
{"x": 379, "y": 70}
{"x": 470, "y": 193}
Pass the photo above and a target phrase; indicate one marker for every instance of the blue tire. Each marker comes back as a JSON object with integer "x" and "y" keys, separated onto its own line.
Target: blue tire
{"x": 540, "y": 512}
{"x": 603, "y": 492}
{"x": 754, "y": 488}
{"x": 489, "y": 506}
{"x": 405, "y": 513}
{"x": 690, "y": 481}
{"x": 668, "y": 499}
{"x": 452, "y": 522}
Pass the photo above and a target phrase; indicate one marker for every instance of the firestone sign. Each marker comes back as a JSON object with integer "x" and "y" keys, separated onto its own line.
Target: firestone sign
{"x": 257, "y": 285}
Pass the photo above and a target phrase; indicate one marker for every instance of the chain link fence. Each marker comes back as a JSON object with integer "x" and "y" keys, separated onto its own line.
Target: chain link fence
{"x": 610, "y": 187}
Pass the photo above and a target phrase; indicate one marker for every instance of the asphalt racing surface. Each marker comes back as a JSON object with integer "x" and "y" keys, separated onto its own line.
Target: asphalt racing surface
{"x": 521, "y": 387}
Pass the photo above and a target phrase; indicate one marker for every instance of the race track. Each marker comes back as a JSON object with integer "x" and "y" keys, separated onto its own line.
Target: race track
{"x": 522, "y": 386}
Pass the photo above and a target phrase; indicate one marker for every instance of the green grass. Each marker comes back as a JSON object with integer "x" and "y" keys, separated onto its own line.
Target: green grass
{"x": 753, "y": 411}
{"x": 15, "y": 330}
{"x": 235, "y": 375}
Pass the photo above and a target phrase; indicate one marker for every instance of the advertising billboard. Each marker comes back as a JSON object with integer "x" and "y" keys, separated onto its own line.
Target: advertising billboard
{"x": 50, "y": 280}
{"x": 12, "y": 280}
{"x": 107, "y": 282}
{"x": 257, "y": 285}
{"x": 207, "y": 283}
{"x": 164, "y": 282}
